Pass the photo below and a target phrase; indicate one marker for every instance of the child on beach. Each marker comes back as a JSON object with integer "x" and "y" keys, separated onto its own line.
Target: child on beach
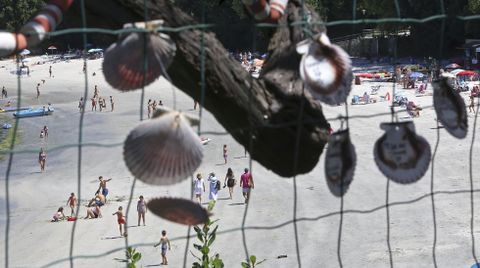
{"x": 120, "y": 220}
{"x": 59, "y": 215}
{"x": 42, "y": 134}
{"x": 141, "y": 209}
{"x": 72, "y": 202}
{"x": 225, "y": 153}
{"x": 165, "y": 245}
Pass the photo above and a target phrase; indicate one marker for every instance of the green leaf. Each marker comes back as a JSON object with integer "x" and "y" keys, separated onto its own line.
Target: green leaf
{"x": 136, "y": 257}
{"x": 200, "y": 237}
{"x": 212, "y": 238}
{"x": 197, "y": 229}
{"x": 196, "y": 265}
{"x": 245, "y": 265}
{"x": 197, "y": 246}
{"x": 131, "y": 265}
{"x": 211, "y": 205}
{"x": 213, "y": 232}
{"x": 205, "y": 250}
{"x": 253, "y": 259}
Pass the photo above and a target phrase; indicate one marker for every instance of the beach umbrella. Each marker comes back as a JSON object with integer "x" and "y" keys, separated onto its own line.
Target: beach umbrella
{"x": 52, "y": 48}
{"x": 416, "y": 75}
{"x": 466, "y": 73}
{"x": 452, "y": 66}
{"x": 457, "y": 71}
{"x": 24, "y": 52}
{"x": 94, "y": 50}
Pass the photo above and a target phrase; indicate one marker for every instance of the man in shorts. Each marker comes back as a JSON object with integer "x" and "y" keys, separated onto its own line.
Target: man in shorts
{"x": 246, "y": 182}
{"x": 103, "y": 186}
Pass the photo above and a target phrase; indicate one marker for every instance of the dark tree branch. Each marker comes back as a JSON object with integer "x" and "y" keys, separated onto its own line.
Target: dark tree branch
{"x": 243, "y": 105}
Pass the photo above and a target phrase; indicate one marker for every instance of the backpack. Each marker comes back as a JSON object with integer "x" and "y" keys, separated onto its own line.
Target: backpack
{"x": 218, "y": 185}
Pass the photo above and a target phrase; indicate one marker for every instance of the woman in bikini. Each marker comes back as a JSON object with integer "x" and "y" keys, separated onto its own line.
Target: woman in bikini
{"x": 42, "y": 159}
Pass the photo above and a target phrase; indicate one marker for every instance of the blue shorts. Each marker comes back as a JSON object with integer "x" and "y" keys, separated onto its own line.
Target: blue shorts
{"x": 105, "y": 191}
{"x": 99, "y": 203}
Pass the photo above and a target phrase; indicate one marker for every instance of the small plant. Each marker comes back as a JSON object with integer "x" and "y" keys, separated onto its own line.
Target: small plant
{"x": 252, "y": 262}
{"x": 207, "y": 237}
{"x": 132, "y": 257}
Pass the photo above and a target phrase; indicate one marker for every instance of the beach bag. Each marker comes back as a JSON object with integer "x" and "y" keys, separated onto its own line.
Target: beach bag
{"x": 218, "y": 185}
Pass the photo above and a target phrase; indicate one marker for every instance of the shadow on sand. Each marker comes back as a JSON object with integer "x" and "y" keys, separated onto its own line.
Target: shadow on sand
{"x": 236, "y": 204}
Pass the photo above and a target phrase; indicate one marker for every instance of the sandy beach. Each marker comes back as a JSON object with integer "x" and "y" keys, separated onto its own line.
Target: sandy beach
{"x": 270, "y": 230}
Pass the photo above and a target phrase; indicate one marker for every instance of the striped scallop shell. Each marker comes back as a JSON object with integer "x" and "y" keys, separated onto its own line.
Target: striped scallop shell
{"x": 400, "y": 154}
{"x": 450, "y": 108}
{"x": 326, "y": 70}
{"x": 123, "y": 64}
{"x": 340, "y": 162}
{"x": 164, "y": 150}
{"x": 179, "y": 210}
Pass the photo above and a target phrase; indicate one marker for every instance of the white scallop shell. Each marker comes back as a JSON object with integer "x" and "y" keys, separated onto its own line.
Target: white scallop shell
{"x": 123, "y": 64}
{"x": 164, "y": 150}
{"x": 400, "y": 154}
{"x": 450, "y": 108}
{"x": 340, "y": 162}
{"x": 326, "y": 70}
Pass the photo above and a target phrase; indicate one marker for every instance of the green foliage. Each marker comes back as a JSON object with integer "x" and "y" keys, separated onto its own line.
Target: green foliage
{"x": 252, "y": 262}
{"x": 207, "y": 235}
{"x": 132, "y": 257}
{"x": 14, "y": 13}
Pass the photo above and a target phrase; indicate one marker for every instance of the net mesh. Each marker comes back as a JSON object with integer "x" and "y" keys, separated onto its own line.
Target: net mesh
{"x": 341, "y": 213}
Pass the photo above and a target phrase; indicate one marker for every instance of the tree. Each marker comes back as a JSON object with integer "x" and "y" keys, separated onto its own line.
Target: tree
{"x": 14, "y": 13}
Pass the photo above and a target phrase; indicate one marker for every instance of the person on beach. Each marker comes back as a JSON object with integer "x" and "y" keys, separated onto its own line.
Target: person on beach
{"x": 471, "y": 107}
{"x": 45, "y": 131}
{"x": 99, "y": 200}
{"x": 50, "y": 70}
{"x": 58, "y": 215}
{"x": 246, "y": 182}
{"x": 72, "y": 203}
{"x": 81, "y": 105}
{"x": 195, "y": 104}
{"x": 214, "y": 186}
{"x": 93, "y": 212}
{"x": 95, "y": 92}
{"x": 165, "y": 244}
{"x": 42, "y": 159}
{"x": 4, "y": 93}
{"x": 100, "y": 103}
{"x": 229, "y": 181}
{"x": 154, "y": 106}
{"x": 38, "y": 90}
{"x": 42, "y": 135}
{"x": 199, "y": 187}
{"x": 141, "y": 209}
{"x": 84, "y": 67}
{"x": 225, "y": 153}
{"x": 112, "y": 103}
{"x": 149, "y": 108}
{"x": 160, "y": 103}
{"x": 120, "y": 220}
{"x": 103, "y": 186}
{"x": 94, "y": 104}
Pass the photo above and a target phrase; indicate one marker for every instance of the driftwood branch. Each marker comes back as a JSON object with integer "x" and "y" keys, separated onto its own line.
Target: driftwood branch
{"x": 266, "y": 109}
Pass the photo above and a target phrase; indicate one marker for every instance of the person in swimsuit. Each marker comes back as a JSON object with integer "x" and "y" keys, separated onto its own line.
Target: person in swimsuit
{"x": 38, "y": 90}
{"x": 229, "y": 181}
{"x": 99, "y": 200}
{"x": 95, "y": 92}
{"x": 94, "y": 104}
{"x": 225, "y": 153}
{"x": 165, "y": 243}
{"x": 149, "y": 108}
{"x": 246, "y": 182}
{"x": 59, "y": 215}
{"x": 45, "y": 131}
{"x": 199, "y": 187}
{"x": 120, "y": 220}
{"x": 80, "y": 104}
{"x": 472, "y": 104}
{"x": 112, "y": 103}
{"x": 72, "y": 202}
{"x": 42, "y": 159}
{"x": 141, "y": 209}
{"x": 103, "y": 186}
{"x": 93, "y": 212}
{"x": 50, "y": 70}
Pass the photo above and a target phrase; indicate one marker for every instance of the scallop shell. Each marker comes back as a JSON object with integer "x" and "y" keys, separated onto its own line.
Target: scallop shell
{"x": 179, "y": 210}
{"x": 400, "y": 154}
{"x": 326, "y": 70}
{"x": 164, "y": 150}
{"x": 340, "y": 161}
{"x": 450, "y": 108}
{"x": 123, "y": 64}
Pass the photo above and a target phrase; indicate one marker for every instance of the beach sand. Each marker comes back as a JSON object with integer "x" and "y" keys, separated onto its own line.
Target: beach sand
{"x": 269, "y": 226}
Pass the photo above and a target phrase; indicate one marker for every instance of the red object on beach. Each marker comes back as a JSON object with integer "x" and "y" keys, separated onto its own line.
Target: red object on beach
{"x": 71, "y": 219}
{"x": 365, "y": 75}
{"x": 467, "y": 73}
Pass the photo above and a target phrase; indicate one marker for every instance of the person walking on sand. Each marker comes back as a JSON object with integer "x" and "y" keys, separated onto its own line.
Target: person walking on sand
{"x": 195, "y": 104}
{"x": 45, "y": 131}
{"x": 149, "y": 108}
{"x": 154, "y": 106}
{"x": 4, "y": 92}
{"x": 50, "y": 70}
{"x": 38, "y": 90}
{"x": 42, "y": 159}
{"x": 229, "y": 181}
{"x": 141, "y": 209}
{"x": 72, "y": 203}
{"x": 100, "y": 103}
{"x": 120, "y": 220}
{"x": 165, "y": 244}
{"x": 199, "y": 187}
{"x": 112, "y": 103}
{"x": 103, "y": 186}
{"x": 95, "y": 92}
{"x": 94, "y": 104}
{"x": 225, "y": 153}
{"x": 246, "y": 182}
{"x": 214, "y": 186}
{"x": 81, "y": 105}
